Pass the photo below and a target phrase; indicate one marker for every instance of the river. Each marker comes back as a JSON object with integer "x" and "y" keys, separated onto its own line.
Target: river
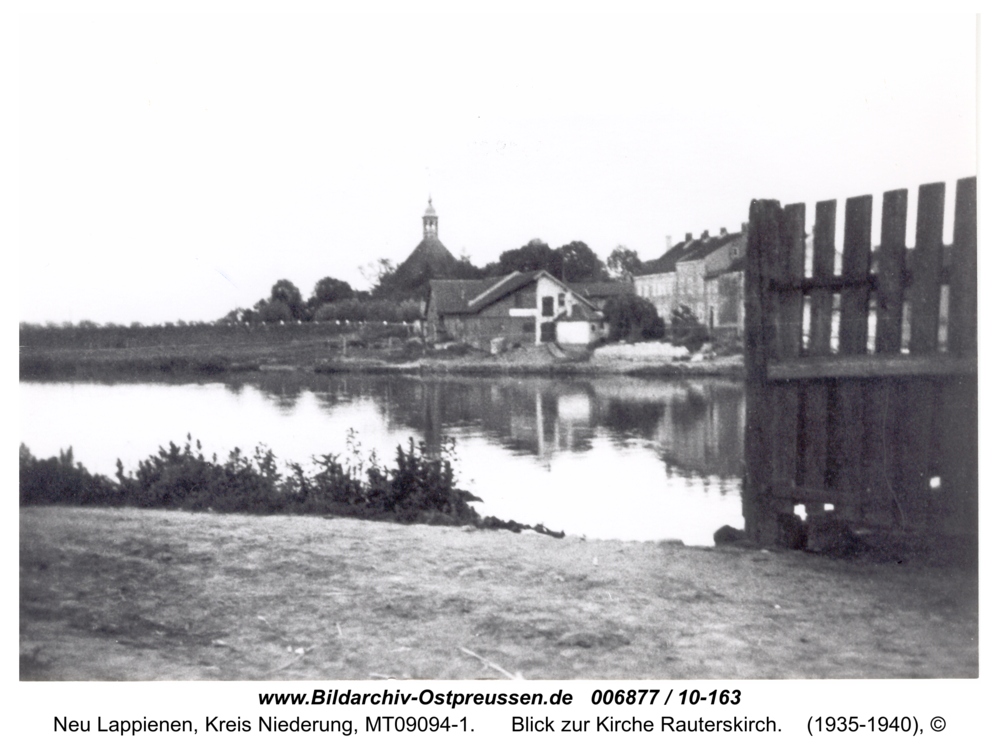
{"x": 609, "y": 458}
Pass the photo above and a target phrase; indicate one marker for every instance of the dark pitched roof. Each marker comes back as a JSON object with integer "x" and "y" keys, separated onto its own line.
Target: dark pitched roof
{"x": 453, "y": 295}
{"x": 508, "y": 284}
{"x": 668, "y": 261}
{"x": 706, "y": 246}
{"x": 684, "y": 252}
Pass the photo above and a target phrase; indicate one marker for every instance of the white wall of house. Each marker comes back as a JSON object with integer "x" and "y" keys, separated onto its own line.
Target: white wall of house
{"x": 577, "y": 332}
{"x": 563, "y": 301}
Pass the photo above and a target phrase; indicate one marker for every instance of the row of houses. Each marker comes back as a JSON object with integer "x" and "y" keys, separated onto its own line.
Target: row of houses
{"x": 704, "y": 274}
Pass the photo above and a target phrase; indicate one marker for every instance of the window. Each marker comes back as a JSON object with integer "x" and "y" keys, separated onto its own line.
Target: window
{"x": 562, "y": 300}
{"x": 547, "y": 306}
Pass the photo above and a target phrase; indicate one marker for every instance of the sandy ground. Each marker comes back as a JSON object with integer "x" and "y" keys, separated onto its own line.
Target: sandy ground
{"x": 125, "y": 594}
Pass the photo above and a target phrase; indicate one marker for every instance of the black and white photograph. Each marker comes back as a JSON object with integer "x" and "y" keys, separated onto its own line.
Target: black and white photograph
{"x": 390, "y": 344}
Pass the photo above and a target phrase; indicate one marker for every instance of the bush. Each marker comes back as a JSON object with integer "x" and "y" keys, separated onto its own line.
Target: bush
{"x": 421, "y": 486}
{"x": 49, "y": 481}
{"x": 686, "y": 330}
{"x": 632, "y": 318}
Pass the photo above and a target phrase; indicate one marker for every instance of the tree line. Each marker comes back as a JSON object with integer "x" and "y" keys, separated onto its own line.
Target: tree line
{"x": 397, "y": 292}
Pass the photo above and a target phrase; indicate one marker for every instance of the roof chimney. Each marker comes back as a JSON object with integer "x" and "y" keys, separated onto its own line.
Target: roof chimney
{"x": 705, "y": 235}
{"x": 722, "y": 232}
{"x": 745, "y": 226}
{"x": 687, "y": 237}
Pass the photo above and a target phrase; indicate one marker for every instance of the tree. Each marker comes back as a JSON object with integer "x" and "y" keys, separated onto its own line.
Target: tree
{"x": 466, "y": 269}
{"x": 535, "y": 256}
{"x": 273, "y": 311}
{"x": 686, "y": 330}
{"x": 580, "y": 263}
{"x": 633, "y": 318}
{"x": 285, "y": 292}
{"x": 329, "y": 289}
{"x": 624, "y": 263}
{"x": 379, "y": 275}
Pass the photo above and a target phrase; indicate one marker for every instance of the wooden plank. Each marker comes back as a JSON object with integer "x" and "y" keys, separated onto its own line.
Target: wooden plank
{"x": 880, "y": 394}
{"x": 788, "y": 268}
{"x": 821, "y": 300}
{"x": 890, "y": 259}
{"x": 962, "y": 326}
{"x": 813, "y": 427}
{"x": 914, "y": 423}
{"x": 958, "y": 422}
{"x": 956, "y": 502}
{"x": 763, "y": 231}
{"x": 871, "y": 366}
{"x": 879, "y": 457}
{"x": 847, "y": 418}
{"x": 925, "y": 270}
{"x": 813, "y": 441}
{"x": 857, "y": 257}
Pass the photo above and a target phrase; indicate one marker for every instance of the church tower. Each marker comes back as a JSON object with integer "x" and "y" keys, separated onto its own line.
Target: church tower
{"x": 429, "y": 260}
{"x": 430, "y": 222}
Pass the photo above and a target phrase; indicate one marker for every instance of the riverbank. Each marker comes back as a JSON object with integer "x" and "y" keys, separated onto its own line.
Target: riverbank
{"x": 129, "y": 594}
{"x": 215, "y": 359}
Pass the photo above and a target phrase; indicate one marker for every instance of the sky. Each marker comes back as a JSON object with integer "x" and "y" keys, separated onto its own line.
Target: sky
{"x": 173, "y": 167}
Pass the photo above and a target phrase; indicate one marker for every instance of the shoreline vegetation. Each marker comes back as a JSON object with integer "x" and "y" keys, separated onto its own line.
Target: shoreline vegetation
{"x": 420, "y": 487}
{"x": 216, "y": 350}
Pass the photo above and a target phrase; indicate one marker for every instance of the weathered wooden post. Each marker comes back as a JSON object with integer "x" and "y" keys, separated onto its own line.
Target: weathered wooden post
{"x": 761, "y": 526}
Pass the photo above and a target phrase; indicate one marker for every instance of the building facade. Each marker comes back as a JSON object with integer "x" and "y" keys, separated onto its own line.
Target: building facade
{"x": 705, "y": 275}
{"x": 520, "y": 308}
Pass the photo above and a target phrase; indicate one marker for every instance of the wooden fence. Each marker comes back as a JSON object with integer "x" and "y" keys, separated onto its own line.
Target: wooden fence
{"x": 862, "y": 385}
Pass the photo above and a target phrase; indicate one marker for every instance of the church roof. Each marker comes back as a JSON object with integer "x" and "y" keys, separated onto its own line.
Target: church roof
{"x": 431, "y": 256}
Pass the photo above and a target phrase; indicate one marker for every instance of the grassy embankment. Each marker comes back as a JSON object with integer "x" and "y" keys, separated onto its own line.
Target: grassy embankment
{"x": 137, "y": 594}
{"x": 206, "y": 350}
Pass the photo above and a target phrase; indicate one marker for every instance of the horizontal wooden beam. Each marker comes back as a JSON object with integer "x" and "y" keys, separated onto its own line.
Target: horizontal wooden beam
{"x": 798, "y": 494}
{"x": 836, "y": 283}
{"x": 871, "y": 366}
{"x": 832, "y": 282}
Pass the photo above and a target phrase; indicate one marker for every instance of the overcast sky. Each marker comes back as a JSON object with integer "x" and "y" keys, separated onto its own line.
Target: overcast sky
{"x": 175, "y": 167}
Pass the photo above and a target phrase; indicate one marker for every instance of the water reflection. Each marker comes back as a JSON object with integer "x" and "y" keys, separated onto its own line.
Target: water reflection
{"x": 696, "y": 425}
{"x": 607, "y": 457}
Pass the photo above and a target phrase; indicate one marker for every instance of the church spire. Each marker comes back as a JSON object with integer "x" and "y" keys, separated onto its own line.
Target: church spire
{"x": 430, "y": 221}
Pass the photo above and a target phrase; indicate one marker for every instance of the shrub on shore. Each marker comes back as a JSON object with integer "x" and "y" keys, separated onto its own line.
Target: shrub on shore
{"x": 419, "y": 488}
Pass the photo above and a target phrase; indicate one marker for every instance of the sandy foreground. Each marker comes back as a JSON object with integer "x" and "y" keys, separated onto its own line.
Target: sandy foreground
{"x": 127, "y": 594}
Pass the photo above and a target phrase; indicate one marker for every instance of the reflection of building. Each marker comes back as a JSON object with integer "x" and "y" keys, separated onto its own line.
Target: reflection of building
{"x": 696, "y": 426}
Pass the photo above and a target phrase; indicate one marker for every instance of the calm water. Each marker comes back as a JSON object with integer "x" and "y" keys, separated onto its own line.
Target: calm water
{"x": 608, "y": 458}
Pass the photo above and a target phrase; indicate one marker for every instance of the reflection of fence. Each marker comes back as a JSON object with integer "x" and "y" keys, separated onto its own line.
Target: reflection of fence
{"x": 884, "y": 434}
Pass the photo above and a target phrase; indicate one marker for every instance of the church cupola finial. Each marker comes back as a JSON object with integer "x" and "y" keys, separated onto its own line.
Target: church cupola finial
{"x": 430, "y": 220}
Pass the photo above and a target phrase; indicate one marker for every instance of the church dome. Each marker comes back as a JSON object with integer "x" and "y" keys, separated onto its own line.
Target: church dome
{"x": 430, "y": 209}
